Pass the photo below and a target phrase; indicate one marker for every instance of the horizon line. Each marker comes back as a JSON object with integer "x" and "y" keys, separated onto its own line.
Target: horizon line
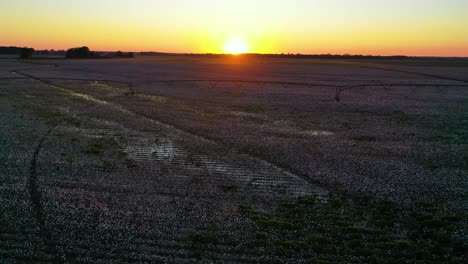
{"x": 292, "y": 54}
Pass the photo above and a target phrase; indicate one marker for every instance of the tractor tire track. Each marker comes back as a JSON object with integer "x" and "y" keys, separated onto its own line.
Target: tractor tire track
{"x": 35, "y": 193}
{"x": 36, "y": 198}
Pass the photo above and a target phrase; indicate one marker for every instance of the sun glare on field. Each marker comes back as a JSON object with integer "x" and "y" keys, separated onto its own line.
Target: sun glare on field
{"x": 236, "y": 46}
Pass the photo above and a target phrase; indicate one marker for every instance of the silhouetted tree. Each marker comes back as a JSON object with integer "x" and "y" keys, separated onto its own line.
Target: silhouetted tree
{"x": 119, "y": 54}
{"x": 80, "y": 53}
{"x": 26, "y": 53}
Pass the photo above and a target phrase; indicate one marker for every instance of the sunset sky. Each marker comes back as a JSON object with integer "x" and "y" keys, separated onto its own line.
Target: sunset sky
{"x": 385, "y": 27}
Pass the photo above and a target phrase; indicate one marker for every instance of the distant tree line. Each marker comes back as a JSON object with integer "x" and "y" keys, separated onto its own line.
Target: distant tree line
{"x": 120, "y": 54}
{"x": 283, "y": 55}
{"x": 324, "y": 56}
{"x": 23, "y": 53}
{"x": 50, "y": 52}
{"x": 329, "y": 56}
{"x": 154, "y": 53}
{"x": 81, "y": 53}
{"x": 73, "y": 53}
{"x": 26, "y": 53}
{"x": 85, "y": 53}
{"x": 10, "y": 50}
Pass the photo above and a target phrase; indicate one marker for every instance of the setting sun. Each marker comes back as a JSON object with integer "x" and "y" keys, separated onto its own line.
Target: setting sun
{"x": 236, "y": 46}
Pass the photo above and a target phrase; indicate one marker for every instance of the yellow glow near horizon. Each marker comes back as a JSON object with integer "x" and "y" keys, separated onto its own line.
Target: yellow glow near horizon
{"x": 236, "y": 46}
{"x": 377, "y": 27}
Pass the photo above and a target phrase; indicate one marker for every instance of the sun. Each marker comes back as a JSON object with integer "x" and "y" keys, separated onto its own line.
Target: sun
{"x": 236, "y": 46}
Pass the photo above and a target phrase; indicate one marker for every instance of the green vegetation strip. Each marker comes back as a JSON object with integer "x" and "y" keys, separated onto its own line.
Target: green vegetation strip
{"x": 109, "y": 149}
{"x": 362, "y": 229}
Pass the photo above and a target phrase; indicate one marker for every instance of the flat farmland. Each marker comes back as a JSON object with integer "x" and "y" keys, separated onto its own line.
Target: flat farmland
{"x": 186, "y": 159}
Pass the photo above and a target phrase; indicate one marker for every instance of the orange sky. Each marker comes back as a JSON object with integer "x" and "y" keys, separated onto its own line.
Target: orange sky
{"x": 379, "y": 27}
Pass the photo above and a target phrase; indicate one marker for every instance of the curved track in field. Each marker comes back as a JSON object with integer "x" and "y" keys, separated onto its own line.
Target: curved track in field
{"x": 36, "y": 196}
